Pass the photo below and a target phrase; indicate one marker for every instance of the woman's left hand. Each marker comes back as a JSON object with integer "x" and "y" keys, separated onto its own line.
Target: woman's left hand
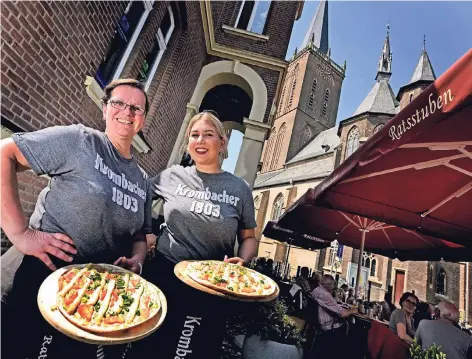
{"x": 234, "y": 260}
{"x": 130, "y": 264}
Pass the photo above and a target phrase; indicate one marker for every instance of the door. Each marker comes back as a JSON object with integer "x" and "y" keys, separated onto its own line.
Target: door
{"x": 399, "y": 285}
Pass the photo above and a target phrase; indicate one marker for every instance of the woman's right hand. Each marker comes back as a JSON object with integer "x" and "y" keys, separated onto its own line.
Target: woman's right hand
{"x": 41, "y": 245}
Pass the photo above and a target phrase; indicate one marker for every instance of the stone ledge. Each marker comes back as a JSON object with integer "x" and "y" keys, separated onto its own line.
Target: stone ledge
{"x": 243, "y": 33}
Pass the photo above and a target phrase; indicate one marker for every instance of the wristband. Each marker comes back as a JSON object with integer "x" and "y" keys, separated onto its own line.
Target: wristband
{"x": 140, "y": 266}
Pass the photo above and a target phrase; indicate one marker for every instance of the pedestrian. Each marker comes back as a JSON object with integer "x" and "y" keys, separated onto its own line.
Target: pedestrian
{"x": 96, "y": 208}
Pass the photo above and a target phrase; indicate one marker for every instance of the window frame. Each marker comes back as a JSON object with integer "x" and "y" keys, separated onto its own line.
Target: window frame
{"x": 162, "y": 41}
{"x": 251, "y": 18}
{"x": 279, "y": 200}
{"x": 148, "y": 5}
{"x": 353, "y": 142}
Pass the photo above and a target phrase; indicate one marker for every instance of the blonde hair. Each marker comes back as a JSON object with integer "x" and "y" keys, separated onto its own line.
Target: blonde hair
{"x": 216, "y": 123}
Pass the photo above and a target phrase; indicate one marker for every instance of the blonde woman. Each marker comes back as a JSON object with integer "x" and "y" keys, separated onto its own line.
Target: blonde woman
{"x": 205, "y": 210}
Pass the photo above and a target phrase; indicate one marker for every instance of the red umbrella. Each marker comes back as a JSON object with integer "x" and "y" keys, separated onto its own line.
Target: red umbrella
{"x": 415, "y": 174}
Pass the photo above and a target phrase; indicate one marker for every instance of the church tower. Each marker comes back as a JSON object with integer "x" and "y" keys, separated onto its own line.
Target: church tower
{"x": 310, "y": 95}
{"x": 422, "y": 77}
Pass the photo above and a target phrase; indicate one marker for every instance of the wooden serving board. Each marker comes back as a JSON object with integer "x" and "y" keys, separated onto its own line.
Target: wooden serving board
{"x": 180, "y": 270}
{"x": 47, "y": 306}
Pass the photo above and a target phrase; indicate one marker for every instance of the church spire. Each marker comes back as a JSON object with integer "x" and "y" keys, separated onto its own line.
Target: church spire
{"x": 424, "y": 70}
{"x": 318, "y": 30}
{"x": 384, "y": 69}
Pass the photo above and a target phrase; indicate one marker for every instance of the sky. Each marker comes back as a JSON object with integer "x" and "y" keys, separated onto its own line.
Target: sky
{"x": 357, "y": 32}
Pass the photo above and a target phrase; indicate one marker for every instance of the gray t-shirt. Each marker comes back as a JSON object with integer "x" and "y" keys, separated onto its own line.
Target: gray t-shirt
{"x": 203, "y": 213}
{"x": 398, "y": 316}
{"x": 96, "y": 196}
{"x": 455, "y": 343}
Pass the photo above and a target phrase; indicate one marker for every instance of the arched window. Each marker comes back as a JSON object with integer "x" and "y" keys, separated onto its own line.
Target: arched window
{"x": 369, "y": 261}
{"x": 292, "y": 91}
{"x": 305, "y": 136}
{"x": 278, "y": 206}
{"x": 378, "y": 128}
{"x": 256, "y": 202}
{"x": 293, "y": 84}
{"x": 312, "y": 93}
{"x": 352, "y": 141}
{"x": 411, "y": 97}
{"x": 325, "y": 103}
{"x": 278, "y": 147}
{"x": 268, "y": 152}
{"x": 441, "y": 287}
{"x": 373, "y": 268}
{"x": 282, "y": 97}
{"x": 313, "y": 86}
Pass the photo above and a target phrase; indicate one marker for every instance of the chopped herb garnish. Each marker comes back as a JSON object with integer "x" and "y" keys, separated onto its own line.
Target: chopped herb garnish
{"x": 138, "y": 313}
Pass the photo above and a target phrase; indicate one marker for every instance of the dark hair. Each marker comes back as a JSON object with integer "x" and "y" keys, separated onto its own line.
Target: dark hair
{"x": 344, "y": 286}
{"x": 121, "y": 82}
{"x": 405, "y": 297}
{"x": 422, "y": 312}
{"x": 305, "y": 271}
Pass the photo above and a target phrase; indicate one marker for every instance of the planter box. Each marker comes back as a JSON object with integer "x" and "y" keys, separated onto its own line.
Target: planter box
{"x": 255, "y": 348}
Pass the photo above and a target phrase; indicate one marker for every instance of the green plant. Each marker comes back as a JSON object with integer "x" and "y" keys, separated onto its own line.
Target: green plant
{"x": 433, "y": 352}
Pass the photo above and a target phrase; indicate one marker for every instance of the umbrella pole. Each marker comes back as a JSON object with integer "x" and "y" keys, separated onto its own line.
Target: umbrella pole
{"x": 359, "y": 262}
{"x": 286, "y": 257}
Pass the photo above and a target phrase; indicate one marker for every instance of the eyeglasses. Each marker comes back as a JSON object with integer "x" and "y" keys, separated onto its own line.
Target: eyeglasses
{"x": 120, "y": 105}
{"x": 410, "y": 302}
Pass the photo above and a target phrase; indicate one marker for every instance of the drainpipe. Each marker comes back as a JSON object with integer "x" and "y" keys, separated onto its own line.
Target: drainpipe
{"x": 467, "y": 286}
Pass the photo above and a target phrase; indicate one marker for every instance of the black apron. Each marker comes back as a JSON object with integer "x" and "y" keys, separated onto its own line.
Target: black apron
{"x": 26, "y": 334}
{"x": 194, "y": 326}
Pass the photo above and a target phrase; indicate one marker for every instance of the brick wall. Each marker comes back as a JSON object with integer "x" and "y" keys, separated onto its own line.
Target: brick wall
{"x": 174, "y": 81}
{"x": 50, "y": 47}
{"x": 405, "y": 99}
{"x": 278, "y": 27}
{"x": 29, "y": 186}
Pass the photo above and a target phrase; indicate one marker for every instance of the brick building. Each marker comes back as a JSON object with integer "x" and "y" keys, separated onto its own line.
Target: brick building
{"x": 222, "y": 56}
{"x": 303, "y": 148}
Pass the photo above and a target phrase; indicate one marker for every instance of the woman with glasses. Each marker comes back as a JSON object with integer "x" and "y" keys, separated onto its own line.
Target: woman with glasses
{"x": 96, "y": 208}
{"x": 401, "y": 320}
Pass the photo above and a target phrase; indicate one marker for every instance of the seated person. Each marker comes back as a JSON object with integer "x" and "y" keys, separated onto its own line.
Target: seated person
{"x": 302, "y": 280}
{"x": 387, "y": 307}
{"x": 423, "y": 311}
{"x": 331, "y": 321}
{"x": 350, "y": 298}
{"x": 443, "y": 332}
{"x": 401, "y": 320}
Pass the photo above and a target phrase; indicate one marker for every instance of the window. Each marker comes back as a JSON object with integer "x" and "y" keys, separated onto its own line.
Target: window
{"x": 325, "y": 103}
{"x": 252, "y": 16}
{"x": 126, "y": 33}
{"x": 441, "y": 287}
{"x": 411, "y": 97}
{"x": 369, "y": 261}
{"x": 292, "y": 91}
{"x": 312, "y": 93}
{"x": 378, "y": 128}
{"x": 430, "y": 275}
{"x": 352, "y": 141}
{"x": 153, "y": 57}
{"x": 278, "y": 146}
{"x": 282, "y": 99}
{"x": 373, "y": 268}
{"x": 278, "y": 206}
{"x": 268, "y": 152}
{"x": 305, "y": 136}
{"x": 293, "y": 84}
{"x": 256, "y": 202}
